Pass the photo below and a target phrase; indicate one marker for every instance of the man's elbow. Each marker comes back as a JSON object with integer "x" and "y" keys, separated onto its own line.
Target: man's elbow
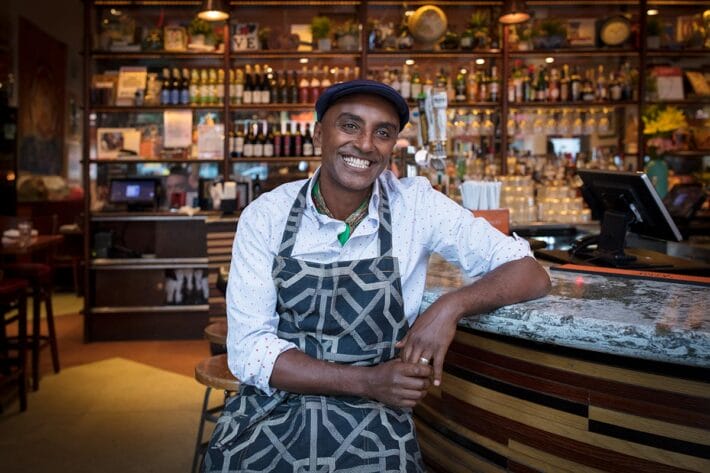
{"x": 540, "y": 284}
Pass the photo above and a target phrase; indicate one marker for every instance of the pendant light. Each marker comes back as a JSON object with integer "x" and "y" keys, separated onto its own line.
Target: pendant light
{"x": 514, "y": 12}
{"x": 213, "y": 10}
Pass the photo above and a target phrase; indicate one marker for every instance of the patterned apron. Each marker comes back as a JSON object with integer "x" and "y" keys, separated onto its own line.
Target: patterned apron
{"x": 348, "y": 312}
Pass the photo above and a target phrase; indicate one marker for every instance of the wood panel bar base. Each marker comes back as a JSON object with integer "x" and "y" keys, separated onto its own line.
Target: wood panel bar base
{"x": 510, "y": 405}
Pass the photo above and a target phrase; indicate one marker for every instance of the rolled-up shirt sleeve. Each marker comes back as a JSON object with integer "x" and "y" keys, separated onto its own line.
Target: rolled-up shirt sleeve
{"x": 252, "y": 341}
{"x": 471, "y": 242}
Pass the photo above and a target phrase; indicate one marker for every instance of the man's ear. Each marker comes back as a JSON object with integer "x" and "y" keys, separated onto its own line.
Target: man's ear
{"x": 317, "y": 135}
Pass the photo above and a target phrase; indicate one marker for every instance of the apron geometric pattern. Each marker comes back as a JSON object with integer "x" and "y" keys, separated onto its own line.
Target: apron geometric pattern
{"x": 348, "y": 312}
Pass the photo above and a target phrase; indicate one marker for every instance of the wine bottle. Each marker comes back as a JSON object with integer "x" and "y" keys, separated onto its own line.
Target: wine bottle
{"x": 233, "y": 142}
{"x": 325, "y": 81}
{"x": 175, "y": 87}
{"x": 307, "y": 141}
{"x": 248, "y": 96}
{"x": 232, "y": 87}
{"x": 565, "y": 84}
{"x": 575, "y": 85}
{"x": 239, "y": 87}
{"x": 275, "y": 91}
{"x": 185, "y": 87}
{"x": 165, "y": 87}
{"x": 294, "y": 89}
{"x": 276, "y": 142}
{"x": 283, "y": 96}
{"x": 314, "y": 91}
{"x": 219, "y": 88}
{"x": 268, "y": 141}
{"x": 256, "y": 85}
{"x": 297, "y": 138}
{"x": 239, "y": 141}
{"x": 259, "y": 141}
{"x": 494, "y": 85}
{"x": 265, "y": 87}
{"x": 303, "y": 87}
{"x": 194, "y": 87}
{"x": 249, "y": 142}
{"x": 286, "y": 140}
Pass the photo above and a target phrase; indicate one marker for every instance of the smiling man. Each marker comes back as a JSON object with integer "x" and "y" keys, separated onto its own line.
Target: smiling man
{"x": 325, "y": 284}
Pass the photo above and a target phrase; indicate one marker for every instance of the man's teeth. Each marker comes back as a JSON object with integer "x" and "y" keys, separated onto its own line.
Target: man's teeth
{"x": 356, "y": 162}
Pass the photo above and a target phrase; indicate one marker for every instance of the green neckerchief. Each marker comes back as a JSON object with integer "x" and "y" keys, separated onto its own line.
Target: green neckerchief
{"x": 351, "y": 222}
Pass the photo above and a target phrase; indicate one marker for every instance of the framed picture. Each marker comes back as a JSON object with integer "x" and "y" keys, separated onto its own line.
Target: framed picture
{"x": 175, "y": 38}
{"x": 581, "y": 32}
{"x": 243, "y": 194}
{"x": 245, "y": 37}
{"x": 117, "y": 142}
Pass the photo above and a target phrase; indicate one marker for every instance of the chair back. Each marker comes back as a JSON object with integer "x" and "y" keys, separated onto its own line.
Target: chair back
{"x": 499, "y": 218}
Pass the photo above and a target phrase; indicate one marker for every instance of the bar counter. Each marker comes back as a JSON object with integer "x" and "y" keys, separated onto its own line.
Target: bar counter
{"x": 606, "y": 373}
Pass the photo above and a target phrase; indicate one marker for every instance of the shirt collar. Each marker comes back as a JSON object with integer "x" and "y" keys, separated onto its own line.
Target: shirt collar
{"x": 312, "y": 212}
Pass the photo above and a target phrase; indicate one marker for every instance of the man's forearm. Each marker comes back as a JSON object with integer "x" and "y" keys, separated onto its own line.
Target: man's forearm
{"x": 510, "y": 283}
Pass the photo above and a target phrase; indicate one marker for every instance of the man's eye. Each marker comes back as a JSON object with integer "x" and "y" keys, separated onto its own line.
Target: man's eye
{"x": 384, "y": 133}
{"x": 348, "y": 126}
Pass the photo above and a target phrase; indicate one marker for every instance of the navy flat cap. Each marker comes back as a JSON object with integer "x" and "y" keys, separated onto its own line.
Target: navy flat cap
{"x": 336, "y": 92}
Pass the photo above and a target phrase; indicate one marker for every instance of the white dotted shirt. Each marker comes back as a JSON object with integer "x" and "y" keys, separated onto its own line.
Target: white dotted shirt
{"x": 424, "y": 221}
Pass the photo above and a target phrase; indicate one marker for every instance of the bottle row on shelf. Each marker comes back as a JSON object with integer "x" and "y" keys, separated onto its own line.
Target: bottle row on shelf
{"x": 261, "y": 139}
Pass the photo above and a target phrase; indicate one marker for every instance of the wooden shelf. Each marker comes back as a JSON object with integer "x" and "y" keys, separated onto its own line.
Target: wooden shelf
{"x": 693, "y": 101}
{"x": 583, "y": 53}
{"x": 278, "y": 160}
{"x": 571, "y": 104}
{"x": 675, "y": 53}
{"x": 289, "y": 54}
{"x": 153, "y": 160}
{"x": 277, "y": 107}
{"x": 164, "y": 55}
{"x": 454, "y": 54}
{"x": 155, "y": 108}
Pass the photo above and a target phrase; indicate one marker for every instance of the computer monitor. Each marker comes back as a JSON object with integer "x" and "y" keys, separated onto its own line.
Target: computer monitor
{"x": 135, "y": 192}
{"x": 623, "y": 202}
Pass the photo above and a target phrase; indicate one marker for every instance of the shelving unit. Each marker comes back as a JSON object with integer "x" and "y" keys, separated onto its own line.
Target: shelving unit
{"x": 279, "y": 15}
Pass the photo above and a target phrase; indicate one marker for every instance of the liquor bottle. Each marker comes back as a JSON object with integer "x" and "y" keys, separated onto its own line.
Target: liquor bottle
{"x": 416, "y": 84}
{"x": 259, "y": 141}
{"x": 541, "y": 86}
{"x": 232, "y": 87}
{"x": 316, "y": 145}
{"x": 614, "y": 87}
{"x": 268, "y": 141}
{"x": 346, "y": 73}
{"x": 602, "y": 92}
{"x": 575, "y": 85}
{"x": 266, "y": 86}
{"x": 249, "y": 142}
{"x": 274, "y": 83}
{"x": 307, "y": 141}
{"x": 283, "y": 88}
{"x": 175, "y": 87}
{"x": 276, "y": 142}
{"x": 297, "y": 139}
{"x": 519, "y": 82}
{"x": 286, "y": 149}
{"x": 471, "y": 86}
{"x": 588, "y": 92}
{"x": 303, "y": 87}
{"x": 564, "y": 84}
{"x": 212, "y": 86}
{"x": 494, "y": 85}
{"x": 256, "y": 85}
{"x": 239, "y": 87}
{"x": 325, "y": 81}
{"x": 204, "y": 87}
{"x": 239, "y": 141}
{"x": 406, "y": 87}
{"x": 194, "y": 87}
{"x": 165, "y": 87}
{"x": 219, "y": 87}
{"x": 248, "y": 95}
{"x": 460, "y": 87}
{"x": 314, "y": 91}
{"x": 395, "y": 81}
{"x": 185, "y": 87}
{"x": 293, "y": 87}
{"x": 233, "y": 142}
{"x": 553, "y": 94}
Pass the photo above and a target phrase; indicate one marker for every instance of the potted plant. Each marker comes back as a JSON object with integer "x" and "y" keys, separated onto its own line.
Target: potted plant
{"x": 479, "y": 26}
{"x": 550, "y": 33}
{"x": 347, "y": 35}
{"x": 320, "y": 29}
{"x": 525, "y": 34}
{"x": 653, "y": 33}
{"x": 201, "y": 33}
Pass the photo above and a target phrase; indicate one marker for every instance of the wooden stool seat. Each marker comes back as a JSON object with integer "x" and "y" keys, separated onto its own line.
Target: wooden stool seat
{"x": 216, "y": 332}
{"x": 213, "y": 372}
{"x": 13, "y": 296}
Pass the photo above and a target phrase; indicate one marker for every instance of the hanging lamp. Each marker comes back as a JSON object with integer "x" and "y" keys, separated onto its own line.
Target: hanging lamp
{"x": 514, "y": 12}
{"x": 213, "y": 10}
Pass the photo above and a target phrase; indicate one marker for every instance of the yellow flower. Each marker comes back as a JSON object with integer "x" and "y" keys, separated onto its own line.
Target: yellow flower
{"x": 666, "y": 120}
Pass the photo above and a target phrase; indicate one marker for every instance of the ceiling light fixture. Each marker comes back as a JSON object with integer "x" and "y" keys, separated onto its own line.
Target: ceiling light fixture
{"x": 514, "y": 12}
{"x": 213, "y": 10}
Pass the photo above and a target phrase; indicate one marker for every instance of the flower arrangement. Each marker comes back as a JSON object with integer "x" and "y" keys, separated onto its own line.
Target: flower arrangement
{"x": 661, "y": 123}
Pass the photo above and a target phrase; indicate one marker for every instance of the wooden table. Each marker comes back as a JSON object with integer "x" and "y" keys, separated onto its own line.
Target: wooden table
{"x": 40, "y": 243}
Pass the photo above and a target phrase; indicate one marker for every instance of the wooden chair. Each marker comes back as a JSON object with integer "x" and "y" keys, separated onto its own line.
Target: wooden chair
{"x": 214, "y": 373}
{"x": 216, "y": 334}
{"x": 13, "y": 301}
{"x": 40, "y": 278}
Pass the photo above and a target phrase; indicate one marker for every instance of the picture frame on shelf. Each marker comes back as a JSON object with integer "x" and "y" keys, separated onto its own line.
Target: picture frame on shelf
{"x": 112, "y": 143}
{"x": 699, "y": 83}
{"x": 581, "y": 32}
{"x": 305, "y": 38}
{"x": 245, "y": 37}
{"x": 175, "y": 38}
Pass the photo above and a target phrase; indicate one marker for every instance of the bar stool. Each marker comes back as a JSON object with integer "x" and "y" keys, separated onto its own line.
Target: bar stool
{"x": 214, "y": 373}
{"x": 216, "y": 334}
{"x": 13, "y": 297}
{"x": 39, "y": 276}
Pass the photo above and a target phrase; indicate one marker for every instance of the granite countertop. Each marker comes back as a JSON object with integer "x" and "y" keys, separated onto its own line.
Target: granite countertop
{"x": 638, "y": 318}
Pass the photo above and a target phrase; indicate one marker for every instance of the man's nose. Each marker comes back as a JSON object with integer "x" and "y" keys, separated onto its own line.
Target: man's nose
{"x": 365, "y": 142}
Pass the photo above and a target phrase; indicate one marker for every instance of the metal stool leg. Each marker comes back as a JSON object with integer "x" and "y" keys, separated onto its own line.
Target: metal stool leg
{"x": 36, "y": 334}
{"x": 200, "y": 430}
{"x": 52, "y": 334}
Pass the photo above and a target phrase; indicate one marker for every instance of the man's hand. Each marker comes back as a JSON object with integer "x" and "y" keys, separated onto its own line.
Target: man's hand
{"x": 430, "y": 337}
{"x": 398, "y": 384}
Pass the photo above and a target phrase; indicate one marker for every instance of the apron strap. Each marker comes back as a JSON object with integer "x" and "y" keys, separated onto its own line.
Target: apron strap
{"x": 288, "y": 240}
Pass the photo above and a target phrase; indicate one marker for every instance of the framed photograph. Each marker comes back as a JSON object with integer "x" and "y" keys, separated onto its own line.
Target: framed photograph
{"x": 581, "y": 32}
{"x": 175, "y": 38}
{"x": 243, "y": 194}
{"x": 684, "y": 28}
{"x": 245, "y": 37}
{"x": 305, "y": 38}
{"x": 113, "y": 143}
